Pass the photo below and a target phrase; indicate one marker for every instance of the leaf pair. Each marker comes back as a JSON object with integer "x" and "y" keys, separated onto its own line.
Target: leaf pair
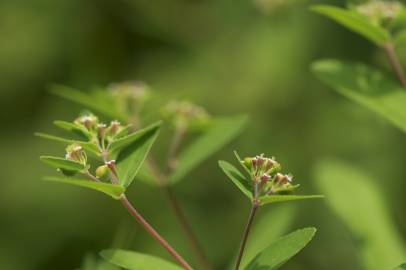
{"x": 245, "y": 185}
{"x": 271, "y": 258}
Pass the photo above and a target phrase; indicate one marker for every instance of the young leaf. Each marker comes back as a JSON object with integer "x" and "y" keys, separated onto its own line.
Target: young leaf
{"x": 356, "y": 199}
{"x": 88, "y": 146}
{"x": 355, "y": 22}
{"x": 62, "y": 163}
{"x": 115, "y": 191}
{"x": 137, "y": 261}
{"x": 237, "y": 156}
{"x": 221, "y": 132}
{"x": 284, "y": 198}
{"x": 98, "y": 100}
{"x": 365, "y": 86}
{"x": 132, "y": 156}
{"x": 74, "y": 128}
{"x": 280, "y": 251}
{"x": 401, "y": 267}
{"x": 238, "y": 179}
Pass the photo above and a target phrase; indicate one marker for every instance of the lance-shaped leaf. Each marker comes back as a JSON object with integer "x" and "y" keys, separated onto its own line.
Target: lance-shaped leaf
{"x": 280, "y": 251}
{"x": 359, "y": 203}
{"x": 62, "y": 163}
{"x": 115, "y": 191}
{"x": 401, "y": 267}
{"x": 355, "y": 22}
{"x": 91, "y": 262}
{"x": 88, "y": 146}
{"x": 98, "y": 100}
{"x": 284, "y": 198}
{"x": 137, "y": 261}
{"x": 221, "y": 131}
{"x": 74, "y": 128}
{"x": 237, "y": 177}
{"x": 133, "y": 153}
{"x": 366, "y": 86}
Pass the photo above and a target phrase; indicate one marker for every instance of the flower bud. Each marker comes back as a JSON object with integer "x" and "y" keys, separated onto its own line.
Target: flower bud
{"x": 101, "y": 130}
{"x": 74, "y": 152}
{"x": 247, "y": 162}
{"x": 89, "y": 121}
{"x": 101, "y": 171}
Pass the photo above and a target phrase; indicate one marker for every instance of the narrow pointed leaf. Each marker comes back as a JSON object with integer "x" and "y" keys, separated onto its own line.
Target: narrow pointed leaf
{"x": 237, "y": 156}
{"x": 238, "y": 179}
{"x": 364, "y": 211}
{"x": 366, "y": 86}
{"x": 74, "y": 128}
{"x": 137, "y": 261}
{"x": 285, "y": 198}
{"x": 132, "y": 156}
{"x": 221, "y": 131}
{"x": 355, "y": 22}
{"x": 280, "y": 251}
{"x": 99, "y": 100}
{"x": 62, "y": 163}
{"x": 115, "y": 191}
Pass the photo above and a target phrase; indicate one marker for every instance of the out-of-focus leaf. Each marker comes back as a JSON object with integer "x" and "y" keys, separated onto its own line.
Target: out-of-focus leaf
{"x": 280, "y": 251}
{"x": 269, "y": 227}
{"x": 137, "y": 261}
{"x": 62, "y": 163}
{"x": 88, "y": 146}
{"x": 359, "y": 203}
{"x": 284, "y": 198}
{"x": 355, "y": 22}
{"x": 238, "y": 179}
{"x": 115, "y": 191}
{"x": 221, "y": 131}
{"x": 401, "y": 267}
{"x": 97, "y": 100}
{"x": 90, "y": 262}
{"x": 367, "y": 87}
{"x": 74, "y": 128}
{"x": 132, "y": 156}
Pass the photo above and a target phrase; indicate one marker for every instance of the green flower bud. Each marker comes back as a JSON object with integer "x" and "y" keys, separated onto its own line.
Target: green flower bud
{"x": 101, "y": 171}
{"x": 247, "y": 162}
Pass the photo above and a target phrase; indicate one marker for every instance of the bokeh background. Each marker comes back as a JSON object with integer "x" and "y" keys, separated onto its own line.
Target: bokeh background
{"x": 231, "y": 57}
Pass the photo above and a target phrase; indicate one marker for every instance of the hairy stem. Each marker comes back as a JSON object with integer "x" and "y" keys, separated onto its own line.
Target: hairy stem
{"x": 134, "y": 213}
{"x": 245, "y": 235}
{"x": 394, "y": 62}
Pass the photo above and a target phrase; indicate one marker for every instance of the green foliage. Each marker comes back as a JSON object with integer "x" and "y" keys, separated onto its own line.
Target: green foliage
{"x": 91, "y": 263}
{"x": 366, "y": 86}
{"x": 355, "y": 22}
{"x": 98, "y": 100}
{"x": 237, "y": 178}
{"x": 401, "y": 267}
{"x": 74, "y": 128}
{"x": 285, "y": 198}
{"x": 280, "y": 251}
{"x": 134, "y": 152}
{"x": 220, "y": 132}
{"x": 355, "y": 198}
{"x": 136, "y": 261}
{"x": 115, "y": 191}
{"x": 62, "y": 163}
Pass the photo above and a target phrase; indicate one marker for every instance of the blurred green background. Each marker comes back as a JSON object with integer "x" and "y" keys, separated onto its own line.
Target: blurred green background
{"x": 232, "y": 57}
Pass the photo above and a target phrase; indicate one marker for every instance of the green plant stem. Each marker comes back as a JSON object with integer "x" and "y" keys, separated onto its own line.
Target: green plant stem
{"x": 245, "y": 235}
{"x": 177, "y": 210}
{"x": 395, "y": 63}
{"x": 134, "y": 213}
{"x": 140, "y": 219}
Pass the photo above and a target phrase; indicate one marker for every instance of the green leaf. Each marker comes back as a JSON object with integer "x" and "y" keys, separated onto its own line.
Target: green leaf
{"x": 238, "y": 179}
{"x": 98, "y": 100}
{"x": 284, "y": 198}
{"x": 74, "y": 128}
{"x": 365, "y": 86}
{"x": 268, "y": 227}
{"x": 237, "y": 156}
{"x": 90, "y": 262}
{"x": 88, "y": 146}
{"x": 221, "y": 132}
{"x": 137, "y": 261}
{"x": 280, "y": 251}
{"x": 115, "y": 191}
{"x": 401, "y": 267}
{"x": 355, "y": 22}
{"x": 62, "y": 163}
{"x": 359, "y": 202}
{"x": 134, "y": 152}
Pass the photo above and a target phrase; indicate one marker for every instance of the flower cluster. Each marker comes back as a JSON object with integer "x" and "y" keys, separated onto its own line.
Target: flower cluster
{"x": 129, "y": 96}
{"x": 185, "y": 114}
{"x": 75, "y": 153}
{"x": 380, "y": 12}
{"x": 266, "y": 176}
